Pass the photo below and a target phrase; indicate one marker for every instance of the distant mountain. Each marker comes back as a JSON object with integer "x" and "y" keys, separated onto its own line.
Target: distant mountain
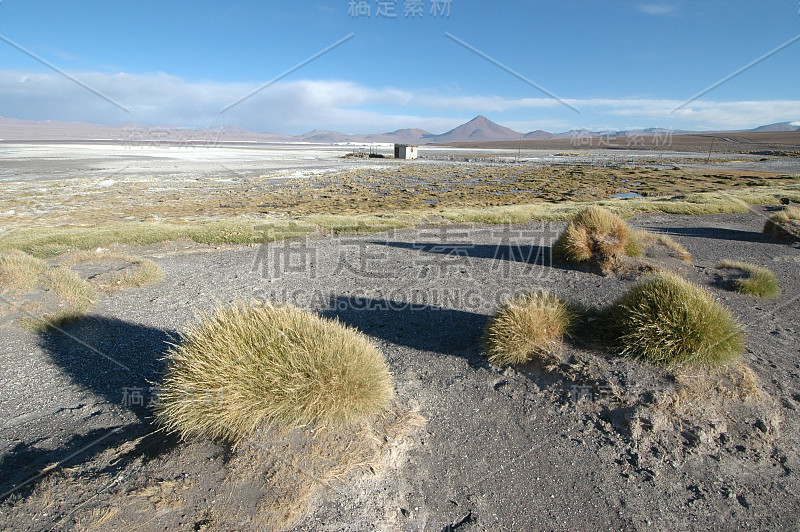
{"x": 479, "y": 129}
{"x": 324, "y": 137}
{"x": 539, "y": 134}
{"x": 408, "y": 136}
{"x": 781, "y": 126}
{"x": 578, "y": 133}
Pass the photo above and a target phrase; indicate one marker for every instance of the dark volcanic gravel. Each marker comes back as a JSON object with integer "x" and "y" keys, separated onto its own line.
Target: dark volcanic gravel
{"x": 501, "y": 450}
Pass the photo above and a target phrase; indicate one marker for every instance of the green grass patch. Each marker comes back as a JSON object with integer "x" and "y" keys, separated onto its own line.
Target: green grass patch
{"x": 756, "y": 280}
{"x": 250, "y": 366}
{"x": 47, "y": 242}
{"x": 666, "y": 319}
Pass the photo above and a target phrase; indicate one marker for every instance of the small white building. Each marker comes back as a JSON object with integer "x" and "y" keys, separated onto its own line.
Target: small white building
{"x": 406, "y": 151}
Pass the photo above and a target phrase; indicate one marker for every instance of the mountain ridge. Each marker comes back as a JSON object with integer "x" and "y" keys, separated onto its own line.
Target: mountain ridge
{"x": 479, "y": 129}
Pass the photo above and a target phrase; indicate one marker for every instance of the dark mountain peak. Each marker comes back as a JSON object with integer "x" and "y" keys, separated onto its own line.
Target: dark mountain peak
{"x": 479, "y": 129}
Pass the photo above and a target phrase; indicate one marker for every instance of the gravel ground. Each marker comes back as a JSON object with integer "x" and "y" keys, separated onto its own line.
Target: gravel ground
{"x": 584, "y": 447}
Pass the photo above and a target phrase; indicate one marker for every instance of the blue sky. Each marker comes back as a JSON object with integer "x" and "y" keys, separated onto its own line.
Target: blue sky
{"x": 623, "y": 64}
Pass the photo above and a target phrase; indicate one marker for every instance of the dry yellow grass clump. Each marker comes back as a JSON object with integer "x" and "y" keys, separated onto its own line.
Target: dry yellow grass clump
{"x": 667, "y": 319}
{"x": 678, "y": 249}
{"x": 595, "y": 235}
{"x": 63, "y": 296}
{"x": 640, "y": 240}
{"x": 784, "y": 224}
{"x": 20, "y": 272}
{"x": 526, "y": 327}
{"x": 255, "y": 365}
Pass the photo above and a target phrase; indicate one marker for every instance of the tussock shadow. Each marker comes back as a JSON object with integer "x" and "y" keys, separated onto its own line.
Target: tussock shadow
{"x": 422, "y": 327}
{"x": 532, "y": 255}
{"x": 116, "y": 361}
{"x": 717, "y": 233}
{"x": 112, "y": 358}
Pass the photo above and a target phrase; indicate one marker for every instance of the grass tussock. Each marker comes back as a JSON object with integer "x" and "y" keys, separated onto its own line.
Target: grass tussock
{"x": 637, "y": 242}
{"x": 595, "y": 235}
{"x": 666, "y": 319}
{"x": 731, "y": 381}
{"x": 247, "y": 366}
{"x": 756, "y": 280}
{"x": 70, "y": 287}
{"x": 784, "y": 224}
{"x": 528, "y": 327}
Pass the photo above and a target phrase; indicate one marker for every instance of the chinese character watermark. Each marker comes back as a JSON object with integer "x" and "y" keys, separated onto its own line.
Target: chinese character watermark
{"x": 412, "y": 9}
{"x": 582, "y": 392}
{"x": 431, "y": 253}
{"x": 132, "y": 397}
{"x": 138, "y": 396}
{"x": 386, "y": 9}
{"x": 171, "y": 137}
{"x": 151, "y": 397}
{"x": 440, "y": 8}
{"x": 359, "y": 9}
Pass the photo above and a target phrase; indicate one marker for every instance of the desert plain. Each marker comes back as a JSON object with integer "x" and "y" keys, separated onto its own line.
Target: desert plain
{"x": 418, "y": 255}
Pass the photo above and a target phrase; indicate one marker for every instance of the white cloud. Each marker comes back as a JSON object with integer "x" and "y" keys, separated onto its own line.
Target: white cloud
{"x": 656, "y": 9}
{"x": 710, "y": 114}
{"x": 796, "y": 124}
{"x": 298, "y": 106}
{"x": 164, "y": 99}
{"x": 485, "y": 103}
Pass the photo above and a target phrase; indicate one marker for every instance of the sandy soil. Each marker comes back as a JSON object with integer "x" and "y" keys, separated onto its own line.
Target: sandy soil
{"x": 597, "y": 443}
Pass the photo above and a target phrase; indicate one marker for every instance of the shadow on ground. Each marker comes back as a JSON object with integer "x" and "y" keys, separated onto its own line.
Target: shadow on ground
{"x": 717, "y": 233}
{"x": 532, "y": 255}
{"x": 111, "y": 358}
{"x": 115, "y": 360}
{"x": 538, "y": 255}
{"x": 422, "y": 327}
